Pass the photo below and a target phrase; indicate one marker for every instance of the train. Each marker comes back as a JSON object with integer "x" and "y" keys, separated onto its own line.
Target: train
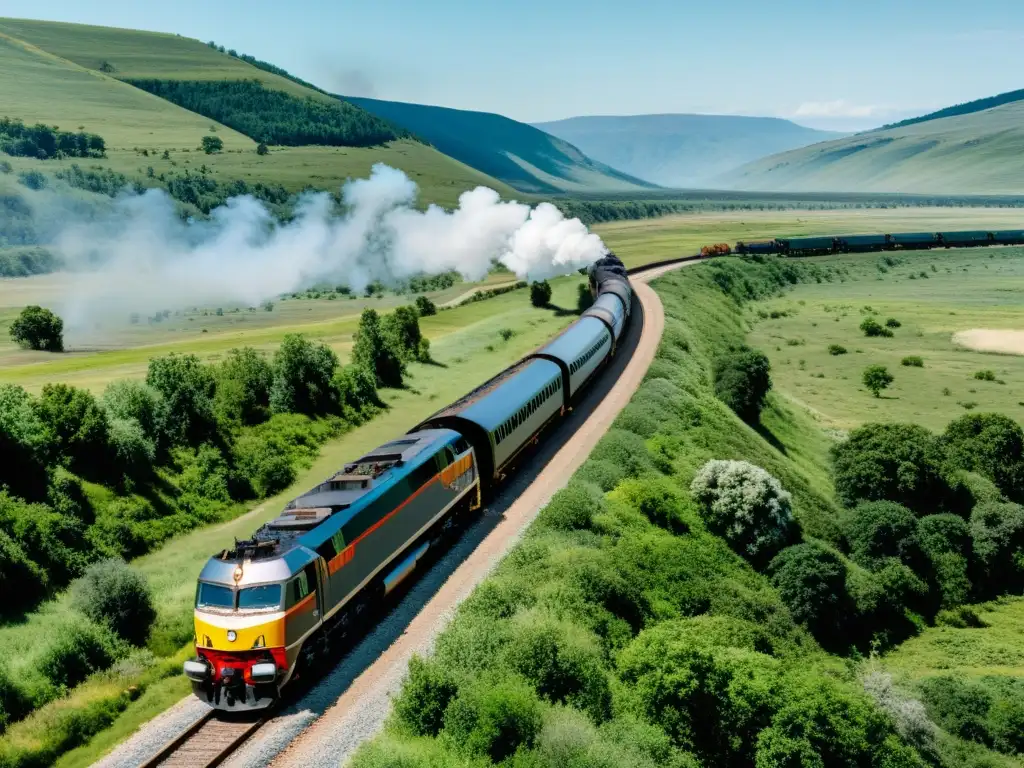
{"x": 270, "y": 606}
{"x": 823, "y": 245}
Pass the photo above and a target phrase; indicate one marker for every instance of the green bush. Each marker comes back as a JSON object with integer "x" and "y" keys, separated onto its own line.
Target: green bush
{"x": 356, "y": 392}
{"x": 25, "y": 442}
{"x": 990, "y": 444}
{"x": 912, "y": 361}
{"x": 836, "y": 349}
{"x": 985, "y": 375}
{"x": 1006, "y": 724}
{"x": 244, "y": 380}
{"x": 958, "y": 706}
{"x": 113, "y": 593}
{"x": 77, "y": 425}
{"x": 132, "y": 452}
{"x": 876, "y": 378}
{"x": 425, "y": 306}
{"x": 812, "y": 582}
{"x": 894, "y": 462}
{"x": 604, "y": 473}
{"x": 22, "y": 581}
{"x": 376, "y": 351}
{"x": 493, "y": 718}
{"x": 657, "y": 499}
{"x": 584, "y": 298}
{"x": 38, "y": 328}
{"x": 573, "y": 507}
{"x": 892, "y": 322}
{"x": 54, "y": 541}
{"x": 130, "y": 399}
{"x": 186, "y": 387}
{"x": 946, "y": 541}
{"x": 425, "y": 696}
{"x": 997, "y": 532}
{"x": 540, "y": 293}
{"x": 403, "y": 326}
{"x": 624, "y": 450}
{"x": 15, "y": 703}
{"x": 871, "y": 327}
{"x": 878, "y": 530}
{"x": 742, "y": 381}
{"x": 303, "y": 375}
{"x": 74, "y": 652}
{"x": 745, "y": 505}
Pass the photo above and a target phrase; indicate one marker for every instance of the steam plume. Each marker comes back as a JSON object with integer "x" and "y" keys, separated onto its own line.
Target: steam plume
{"x": 139, "y": 256}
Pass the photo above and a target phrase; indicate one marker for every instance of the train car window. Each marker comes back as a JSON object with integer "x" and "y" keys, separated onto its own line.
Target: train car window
{"x": 311, "y": 577}
{"x": 214, "y": 596}
{"x": 461, "y": 446}
{"x": 327, "y": 550}
{"x": 297, "y": 589}
{"x": 263, "y": 596}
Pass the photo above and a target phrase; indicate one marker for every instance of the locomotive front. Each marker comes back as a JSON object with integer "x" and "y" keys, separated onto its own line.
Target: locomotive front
{"x": 243, "y": 617}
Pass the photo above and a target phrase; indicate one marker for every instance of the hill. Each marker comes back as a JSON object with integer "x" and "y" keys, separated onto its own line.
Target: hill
{"x": 681, "y": 150}
{"x": 963, "y": 109}
{"x": 73, "y": 76}
{"x": 981, "y": 152}
{"x": 519, "y": 154}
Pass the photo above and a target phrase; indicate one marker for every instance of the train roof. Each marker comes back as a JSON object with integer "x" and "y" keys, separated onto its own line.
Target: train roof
{"x": 574, "y": 340}
{"x": 502, "y": 400}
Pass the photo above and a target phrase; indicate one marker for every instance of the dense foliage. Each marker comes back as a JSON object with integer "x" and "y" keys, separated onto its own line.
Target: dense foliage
{"x": 22, "y": 262}
{"x": 742, "y": 381}
{"x": 275, "y": 117}
{"x": 113, "y": 593}
{"x": 378, "y": 351}
{"x": 38, "y": 328}
{"x": 45, "y": 142}
{"x": 540, "y": 293}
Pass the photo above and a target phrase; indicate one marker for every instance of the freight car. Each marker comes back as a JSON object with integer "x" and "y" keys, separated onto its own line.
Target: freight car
{"x": 267, "y": 607}
{"x": 818, "y": 246}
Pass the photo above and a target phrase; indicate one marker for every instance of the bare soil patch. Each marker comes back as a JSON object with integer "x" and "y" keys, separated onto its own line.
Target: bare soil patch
{"x": 1002, "y": 341}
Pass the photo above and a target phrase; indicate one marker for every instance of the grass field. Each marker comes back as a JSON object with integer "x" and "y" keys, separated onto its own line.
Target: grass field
{"x": 637, "y": 242}
{"x": 962, "y": 289}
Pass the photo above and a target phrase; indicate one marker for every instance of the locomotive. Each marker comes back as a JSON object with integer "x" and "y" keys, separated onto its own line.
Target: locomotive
{"x": 268, "y": 606}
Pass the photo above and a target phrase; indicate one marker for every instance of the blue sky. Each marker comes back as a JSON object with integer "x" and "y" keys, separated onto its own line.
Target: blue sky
{"x": 843, "y": 64}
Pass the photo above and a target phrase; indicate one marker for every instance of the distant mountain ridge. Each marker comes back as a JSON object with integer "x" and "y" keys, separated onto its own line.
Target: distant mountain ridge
{"x": 521, "y": 155}
{"x": 968, "y": 107}
{"x": 681, "y": 150}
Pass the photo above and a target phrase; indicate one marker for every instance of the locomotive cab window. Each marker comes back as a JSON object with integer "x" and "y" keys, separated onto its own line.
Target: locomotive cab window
{"x": 260, "y": 597}
{"x": 300, "y": 586}
{"x": 214, "y": 596}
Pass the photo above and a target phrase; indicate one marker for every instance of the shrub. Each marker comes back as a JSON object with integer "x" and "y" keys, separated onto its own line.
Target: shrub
{"x": 812, "y": 582}
{"x": 425, "y": 696}
{"x": 24, "y": 442}
{"x": 129, "y": 399}
{"x": 356, "y": 392}
{"x": 745, "y": 505}
{"x": 912, "y": 361}
{"x": 907, "y": 714}
{"x": 603, "y": 473}
{"x": 38, "y": 328}
{"x": 425, "y": 306}
{"x": 22, "y": 582}
{"x": 958, "y": 706}
{"x": 626, "y": 451}
{"x": 133, "y": 453}
{"x": 15, "y": 703}
{"x": 113, "y": 593}
{"x": 895, "y": 462}
{"x": 836, "y": 349}
{"x": 403, "y": 326}
{"x": 985, "y": 375}
{"x": 990, "y": 444}
{"x": 892, "y": 322}
{"x": 540, "y": 293}
{"x": 584, "y": 298}
{"x": 997, "y": 532}
{"x": 657, "y": 499}
{"x": 1006, "y": 724}
{"x": 871, "y": 327}
{"x": 77, "y": 424}
{"x": 877, "y": 530}
{"x": 573, "y": 507}
{"x": 244, "y": 380}
{"x": 375, "y": 350}
{"x": 876, "y": 378}
{"x": 742, "y": 381}
{"x": 186, "y": 387}
{"x": 303, "y": 375}
{"x": 74, "y": 652}
{"x": 946, "y": 541}
{"x": 212, "y": 144}
{"x": 493, "y": 718}
{"x": 261, "y": 149}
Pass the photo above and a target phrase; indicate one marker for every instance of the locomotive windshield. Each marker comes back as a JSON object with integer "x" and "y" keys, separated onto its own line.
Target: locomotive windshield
{"x": 249, "y": 599}
{"x": 263, "y": 596}
{"x": 214, "y": 596}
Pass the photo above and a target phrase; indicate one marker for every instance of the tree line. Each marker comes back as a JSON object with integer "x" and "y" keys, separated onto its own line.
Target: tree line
{"x": 275, "y": 117}
{"x": 47, "y": 142}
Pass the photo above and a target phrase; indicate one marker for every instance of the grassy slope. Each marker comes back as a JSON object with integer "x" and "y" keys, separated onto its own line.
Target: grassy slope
{"x": 518, "y": 154}
{"x": 638, "y": 242}
{"x": 50, "y": 75}
{"x": 682, "y": 150}
{"x": 979, "y": 152}
{"x": 465, "y": 341}
{"x": 969, "y": 289}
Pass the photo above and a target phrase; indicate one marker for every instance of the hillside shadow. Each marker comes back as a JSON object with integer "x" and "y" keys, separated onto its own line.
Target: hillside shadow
{"x": 767, "y": 435}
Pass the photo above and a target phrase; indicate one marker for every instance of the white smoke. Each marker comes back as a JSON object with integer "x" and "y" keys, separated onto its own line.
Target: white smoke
{"x": 141, "y": 257}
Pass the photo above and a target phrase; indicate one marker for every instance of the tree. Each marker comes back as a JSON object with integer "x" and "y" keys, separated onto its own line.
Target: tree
{"x": 113, "y": 593}
{"x": 742, "y": 381}
{"x": 187, "y": 387}
{"x": 540, "y": 293}
{"x": 990, "y": 444}
{"x": 812, "y": 581}
{"x": 878, "y": 530}
{"x": 745, "y": 505}
{"x": 403, "y": 326}
{"x": 584, "y": 298}
{"x": 261, "y": 149}
{"x": 997, "y": 532}
{"x": 376, "y": 351}
{"x": 244, "y": 381}
{"x": 132, "y": 400}
{"x": 77, "y": 425}
{"x": 212, "y": 144}
{"x": 872, "y": 327}
{"x": 425, "y": 306}
{"x": 303, "y": 374}
{"x": 895, "y": 462}
{"x": 25, "y": 443}
{"x": 876, "y": 378}
{"x": 356, "y": 391}
{"x": 38, "y": 328}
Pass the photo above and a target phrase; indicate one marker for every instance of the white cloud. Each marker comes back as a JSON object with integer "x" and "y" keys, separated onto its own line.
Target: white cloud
{"x": 838, "y": 108}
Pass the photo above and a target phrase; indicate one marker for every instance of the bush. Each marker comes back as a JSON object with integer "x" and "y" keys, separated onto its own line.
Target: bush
{"x": 605, "y": 474}
{"x": 997, "y": 532}
{"x": 912, "y": 361}
{"x": 133, "y": 453}
{"x": 425, "y": 306}
{"x": 907, "y": 714}
{"x": 573, "y": 507}
{"x": 244, "y": 380}
{"x": 128, "y": 399}
{"x": 745, "y": 505}
{"x": 892, "y": 322}
{"x": 15, "y": 703}
{"x": 77, "y": 425}
{"x": 742, "y": 381}
{"x": 403, "y": 327}
{"x": 895, "y": 462}
{"x": 493, "y": 718}
{"x": 425, "y": 696}
{"x": 836, "y": 349}
{"x": 1006, "y": 724}
{"x": 376, "y": 351}
{"x": 878, "y": 530}
{"x": 186, "y": 387}
{"x": 540, "y": 294}
{"x": 626, "y": 451}
{"x": 990, "y": 444}
{"x": 113, "y": 593}
{"x": 657, "y": 499}
{"x": 876, "y": 378}
{"x": 985, "y": 375}
{"x": 303, "y": 376}
{"x": 212, "y": 144}
{"x": 958, "y": 706}
{"x": 74, "y": 652}
{"x": 812, "y": 582}
{"x": 25, "y": 442}
{"x": 22, "y": 581}
{"x": 584, "y": 298}
{"x": 871, "y": 327}
{"x": 356, "y": 392}
{"x": 38, "y": 328}
{"x": 261, "y": 149}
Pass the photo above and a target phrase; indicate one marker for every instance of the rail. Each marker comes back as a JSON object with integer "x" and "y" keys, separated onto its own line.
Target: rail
{"x": 206, "y": 743}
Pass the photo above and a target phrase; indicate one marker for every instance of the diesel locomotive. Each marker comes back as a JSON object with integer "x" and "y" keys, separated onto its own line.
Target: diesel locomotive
{"x": 270, "y": 605}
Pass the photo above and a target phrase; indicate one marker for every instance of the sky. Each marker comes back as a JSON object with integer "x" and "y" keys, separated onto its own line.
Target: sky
{"x": 833, "y": 64}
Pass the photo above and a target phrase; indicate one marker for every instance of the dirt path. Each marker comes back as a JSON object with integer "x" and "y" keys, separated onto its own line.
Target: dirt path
{"x": 1006, "y": 342}
{"x": 361, "y": 709}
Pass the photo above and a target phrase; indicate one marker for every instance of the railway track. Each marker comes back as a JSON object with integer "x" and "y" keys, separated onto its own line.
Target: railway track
{"x": 206, "y": 743}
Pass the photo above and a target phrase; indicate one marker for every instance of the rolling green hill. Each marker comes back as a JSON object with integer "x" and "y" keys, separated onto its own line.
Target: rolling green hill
{"x": 518, "y": 154}
{"x": 981, "y": 152}
{"x": 682, "y": 150}
{"x": 51, "y": 73}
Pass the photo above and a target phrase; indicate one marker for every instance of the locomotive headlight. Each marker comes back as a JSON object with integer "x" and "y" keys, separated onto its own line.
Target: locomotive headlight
{"x": 238, "y": 573}
{"x": 232, "y": 635}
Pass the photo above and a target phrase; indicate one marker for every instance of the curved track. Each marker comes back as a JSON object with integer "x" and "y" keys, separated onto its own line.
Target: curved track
{"x": 330, "y": 720}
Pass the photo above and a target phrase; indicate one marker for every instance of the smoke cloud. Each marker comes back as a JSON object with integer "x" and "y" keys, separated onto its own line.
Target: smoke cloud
{"x": 139, "y": 256}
